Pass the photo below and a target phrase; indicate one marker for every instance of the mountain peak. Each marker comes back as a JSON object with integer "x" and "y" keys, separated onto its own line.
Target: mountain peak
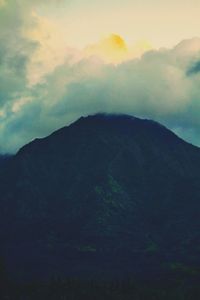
{"x": 102, "y": 123}
{"x": 103, "y": 179}
{"x": 118, "y": 119}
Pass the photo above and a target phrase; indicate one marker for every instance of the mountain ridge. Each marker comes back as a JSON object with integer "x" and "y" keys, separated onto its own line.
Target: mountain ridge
{"x": 108, "y": 117}
{"x": 68, "y": 199}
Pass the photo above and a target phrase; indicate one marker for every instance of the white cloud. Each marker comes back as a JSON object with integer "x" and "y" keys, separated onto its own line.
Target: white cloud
{"x": 157, "y": 85}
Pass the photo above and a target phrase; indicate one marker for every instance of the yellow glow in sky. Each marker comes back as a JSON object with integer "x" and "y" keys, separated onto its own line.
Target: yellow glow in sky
{"x": 163, "y": 23}
{"x": 78, "y": 24}
{"x": 53, "y": 49}
{"x": 114, "y": 49}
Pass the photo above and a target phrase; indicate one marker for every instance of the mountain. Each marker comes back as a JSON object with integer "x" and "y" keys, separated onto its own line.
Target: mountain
{"x": 4, "y": 158}
{"x": 109, "y": 195}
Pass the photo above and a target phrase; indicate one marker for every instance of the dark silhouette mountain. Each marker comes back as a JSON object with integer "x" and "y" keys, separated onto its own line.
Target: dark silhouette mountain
{"x": 1, "y": 160}
{"x": 4, "y": 159}
{"x": 112, "y": 195}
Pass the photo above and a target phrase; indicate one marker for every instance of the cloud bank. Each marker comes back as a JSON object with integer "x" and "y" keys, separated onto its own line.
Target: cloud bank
{"x": 41, "y": 91}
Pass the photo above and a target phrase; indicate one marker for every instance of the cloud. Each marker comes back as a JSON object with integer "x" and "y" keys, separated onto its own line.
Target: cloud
{"x": 45, "y": 85}
{"x": 2, "y": 2}
{"x": 194, "y": 69}
{"x": 20, "y": 60}
{"x": 15, "y": 51}
{"x": 155, "y": 86}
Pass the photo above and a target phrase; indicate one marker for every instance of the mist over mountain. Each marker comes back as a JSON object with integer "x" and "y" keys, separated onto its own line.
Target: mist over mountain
{"x": 109, "y": 195}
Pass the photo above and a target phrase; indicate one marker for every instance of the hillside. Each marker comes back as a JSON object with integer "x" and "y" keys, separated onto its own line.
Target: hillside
{"x": 113, "y": 195}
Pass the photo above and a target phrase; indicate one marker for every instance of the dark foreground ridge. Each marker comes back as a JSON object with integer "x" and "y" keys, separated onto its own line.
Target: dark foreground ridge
{"x": 106, "y": 197}
{"x": 76, "y": 289}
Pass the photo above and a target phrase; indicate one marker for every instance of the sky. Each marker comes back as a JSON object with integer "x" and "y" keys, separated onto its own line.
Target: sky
{"x": 62, "y": 59}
